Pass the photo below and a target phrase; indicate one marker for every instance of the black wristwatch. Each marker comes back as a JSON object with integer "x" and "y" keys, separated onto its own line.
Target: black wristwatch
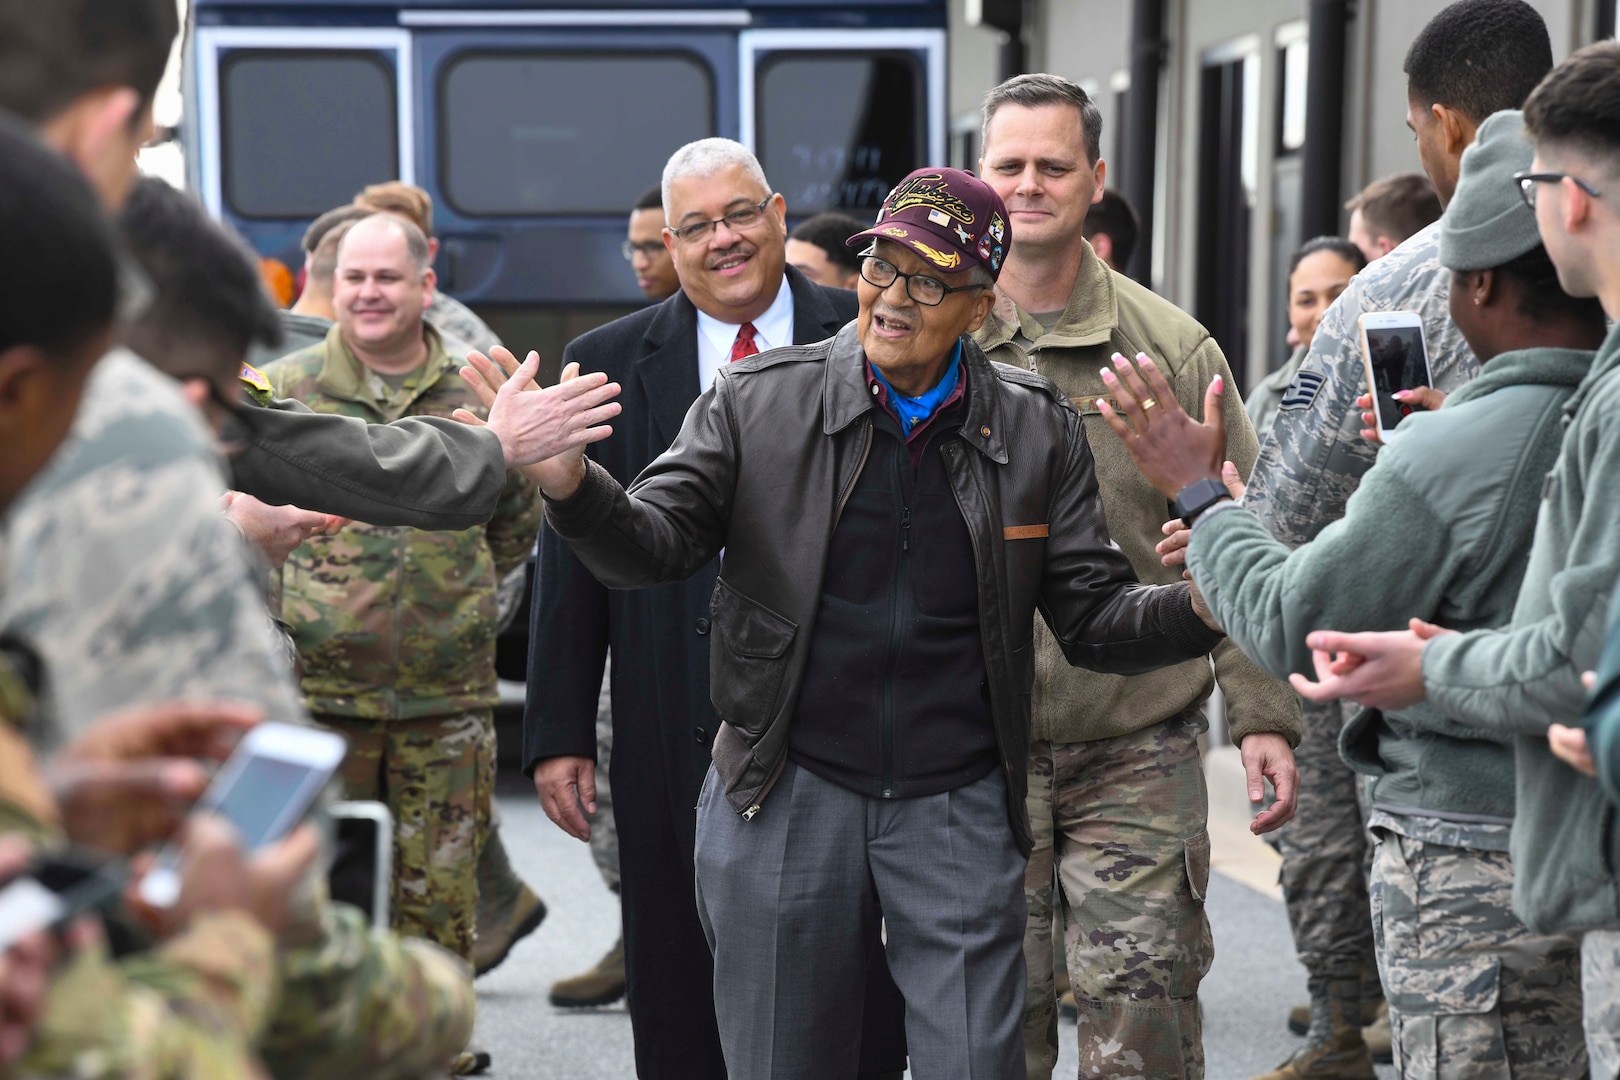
{"x": 1197, "y": 497}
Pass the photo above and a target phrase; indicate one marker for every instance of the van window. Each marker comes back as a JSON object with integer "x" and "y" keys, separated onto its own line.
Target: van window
{"x": 566, "y": 133}
{"x": 865, "y": 133}
{"x": 304, "y": 130}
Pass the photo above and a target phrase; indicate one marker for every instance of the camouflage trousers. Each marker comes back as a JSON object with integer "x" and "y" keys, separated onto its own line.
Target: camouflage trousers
{"x": 1472, "y": 991}
{"x": 1324, "y": 855}
{"x": 1121, "y": 823}
{"x": 604, "y": 830}
{"x": 365, "y": 1002}
{"x": 437, "y": 776}
{"x": 1600, "y": 985}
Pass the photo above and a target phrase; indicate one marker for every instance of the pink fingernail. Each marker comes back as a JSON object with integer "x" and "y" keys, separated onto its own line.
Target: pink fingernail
{"x": 1220, "y": 384}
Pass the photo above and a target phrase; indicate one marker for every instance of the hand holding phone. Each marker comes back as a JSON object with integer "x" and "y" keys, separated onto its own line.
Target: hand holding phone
{"x": 214, "y": 873}
{"x": 129, "y": 780}
{"x": 1396, "y": 358}
{"x": 263, "y": 790}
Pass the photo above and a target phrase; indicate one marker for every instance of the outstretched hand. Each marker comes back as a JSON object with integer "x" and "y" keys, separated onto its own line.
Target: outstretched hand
{"x": 536, "y": 425}
{"x": 1170, "y": 447}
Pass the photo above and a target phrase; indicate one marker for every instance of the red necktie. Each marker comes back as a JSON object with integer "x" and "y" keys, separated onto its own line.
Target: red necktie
{"x": 744, "y": 346}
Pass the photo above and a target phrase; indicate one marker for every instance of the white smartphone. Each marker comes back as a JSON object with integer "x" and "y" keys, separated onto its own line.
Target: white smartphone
{"x": 1397, "y": 358}
{"x": 265, "y": 788}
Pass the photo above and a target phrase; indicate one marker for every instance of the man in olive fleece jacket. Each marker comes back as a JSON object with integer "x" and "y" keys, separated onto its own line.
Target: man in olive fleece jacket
{"x": 1133, "y": 874}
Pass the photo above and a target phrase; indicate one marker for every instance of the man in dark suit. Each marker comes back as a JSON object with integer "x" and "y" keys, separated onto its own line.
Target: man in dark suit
{"x": 727, "y": 234}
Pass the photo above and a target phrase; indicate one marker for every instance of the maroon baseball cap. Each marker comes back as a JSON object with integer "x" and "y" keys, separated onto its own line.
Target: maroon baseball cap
{"x": 948, "y": 216}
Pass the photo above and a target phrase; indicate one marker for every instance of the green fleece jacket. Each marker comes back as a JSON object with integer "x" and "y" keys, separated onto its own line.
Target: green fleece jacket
{"x": 1519, "y": 679}
{"x": 1108, "y": 313}
{"x": 1440, "y": 529}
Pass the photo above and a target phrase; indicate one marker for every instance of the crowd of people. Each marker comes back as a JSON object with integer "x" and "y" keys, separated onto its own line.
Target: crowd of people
{"x": 870, "y": 519}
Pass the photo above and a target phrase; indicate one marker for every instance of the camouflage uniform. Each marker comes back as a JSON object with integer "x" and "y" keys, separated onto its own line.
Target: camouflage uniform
{"x": 118, "y": 570}
{"x": 1471, "y": 990}
{"x": 1600, "y": 986}
{"x": 604, "y": 831}
{"x": 396, "y": 630}
{"x": 188, "y": 1009}
{"x": 1117, "y": 798}
{"x": 1307, "y": 469}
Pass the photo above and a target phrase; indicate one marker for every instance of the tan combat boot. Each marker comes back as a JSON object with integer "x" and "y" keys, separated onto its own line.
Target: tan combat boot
{"x": 1374, "y": 1018}
{"x": 1376, "y": 1034}
{"x": 602, "y": 985}
{"x": 502, "y": 925}
{"x": 1333, "y": 1047}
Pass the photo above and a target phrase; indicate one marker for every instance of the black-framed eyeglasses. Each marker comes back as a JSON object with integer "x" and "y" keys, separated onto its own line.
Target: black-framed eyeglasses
{"x": 1527, "y": 182}
{"x": 920, "y": 287}
{"x": 650, "y": 248}
{"x": 736, "y": 221}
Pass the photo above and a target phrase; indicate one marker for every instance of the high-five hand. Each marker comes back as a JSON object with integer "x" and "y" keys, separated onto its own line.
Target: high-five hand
{"x": 1170, "y": 447}
{"x": 533, "y": 424}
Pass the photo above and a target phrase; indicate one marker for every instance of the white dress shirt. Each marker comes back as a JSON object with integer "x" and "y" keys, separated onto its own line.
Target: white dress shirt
{"x": 772, "y": 330}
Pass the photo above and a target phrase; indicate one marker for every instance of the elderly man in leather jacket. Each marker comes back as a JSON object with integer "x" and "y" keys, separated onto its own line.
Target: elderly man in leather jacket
{"x": 893, "y": 509}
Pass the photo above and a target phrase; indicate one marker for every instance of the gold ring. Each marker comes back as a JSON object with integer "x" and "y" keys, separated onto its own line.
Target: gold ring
{"x": 1148, "y": 403}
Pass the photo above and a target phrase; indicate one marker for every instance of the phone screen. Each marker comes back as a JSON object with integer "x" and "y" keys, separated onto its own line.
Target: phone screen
{"x": 257, "y": 799}
{"x": 1398, "y": 363}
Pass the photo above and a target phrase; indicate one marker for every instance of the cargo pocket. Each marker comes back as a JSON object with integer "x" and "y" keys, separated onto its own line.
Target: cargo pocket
{"x": 1445, "y": 1020}
{"x": 746, "y": 670}
{"x": 1193, "y": 945}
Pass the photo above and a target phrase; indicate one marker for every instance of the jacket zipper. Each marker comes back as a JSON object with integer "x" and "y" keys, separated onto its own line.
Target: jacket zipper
{"x": 759, "y": 800}
{"x": 897, "y": 595}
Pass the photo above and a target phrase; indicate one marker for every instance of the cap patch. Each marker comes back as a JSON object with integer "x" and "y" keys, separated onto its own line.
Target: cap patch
{"x": 984, "y": 248}
{"x": 997, "y": 229}
{"x": 939, "y": 217}
{"x": 947, "y": 260}
{"x": 916, "y": 191}
{"x": 995, "y": 258}
{"x": 894, "y": 230}
{"x": 963, "y": 235}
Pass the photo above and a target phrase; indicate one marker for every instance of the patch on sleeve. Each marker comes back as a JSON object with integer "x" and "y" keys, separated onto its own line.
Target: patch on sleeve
{"x": 1301, "y": 393}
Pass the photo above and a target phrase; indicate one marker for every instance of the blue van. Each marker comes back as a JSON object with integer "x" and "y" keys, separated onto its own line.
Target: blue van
{"x": 535, "y": 126}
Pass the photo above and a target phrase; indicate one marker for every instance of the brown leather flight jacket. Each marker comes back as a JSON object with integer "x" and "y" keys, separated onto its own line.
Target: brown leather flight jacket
{"x": 761, "y": 469}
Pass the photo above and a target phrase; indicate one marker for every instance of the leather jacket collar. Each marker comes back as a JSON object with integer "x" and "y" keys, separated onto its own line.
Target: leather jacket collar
{"x": 845, "y": 397}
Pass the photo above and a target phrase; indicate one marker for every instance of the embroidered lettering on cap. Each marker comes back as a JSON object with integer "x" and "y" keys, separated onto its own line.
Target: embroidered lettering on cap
{"x": 916, "y": 191}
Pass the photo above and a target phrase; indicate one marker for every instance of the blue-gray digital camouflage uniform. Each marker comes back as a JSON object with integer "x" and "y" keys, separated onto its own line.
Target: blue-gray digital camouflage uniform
{"x": 1308, "y": 467}
{"x": 118, "y": 570}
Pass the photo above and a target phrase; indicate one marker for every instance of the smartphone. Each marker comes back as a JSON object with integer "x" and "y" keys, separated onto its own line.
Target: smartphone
{"x": 54, "y": 890}
{"x": 362, "y": 858}
{"x": 1397, "y": 358}
{"x": 264, "y": 790}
